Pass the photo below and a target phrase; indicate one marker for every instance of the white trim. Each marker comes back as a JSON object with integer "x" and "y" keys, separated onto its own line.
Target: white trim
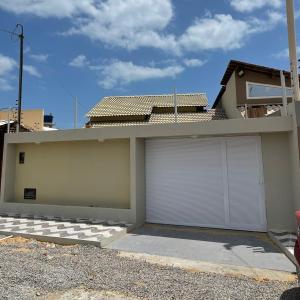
{"x": 266, "y": 85}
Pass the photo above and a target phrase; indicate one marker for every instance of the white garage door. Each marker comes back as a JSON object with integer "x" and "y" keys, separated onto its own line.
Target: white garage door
{"x": 215, "y": 182}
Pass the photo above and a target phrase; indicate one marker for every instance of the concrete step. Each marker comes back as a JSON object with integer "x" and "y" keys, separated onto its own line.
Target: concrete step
{"x": 63, "y": 230}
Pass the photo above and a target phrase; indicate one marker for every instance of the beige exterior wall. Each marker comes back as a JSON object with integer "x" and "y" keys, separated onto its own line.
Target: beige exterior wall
{"x": 277, "y": 180}
{"x": 89, "y": 173}
{"x": 105, "y": 167}
{"x": 140, "y": 184}
{"x": 31, "y": 118}
{"x": 229, "y": 99}
{"x": 294, "y": 154}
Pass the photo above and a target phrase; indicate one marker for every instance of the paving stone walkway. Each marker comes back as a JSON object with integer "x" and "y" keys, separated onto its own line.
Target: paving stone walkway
{"x": 286, "y": 239}
{"x": 63, "y": 230}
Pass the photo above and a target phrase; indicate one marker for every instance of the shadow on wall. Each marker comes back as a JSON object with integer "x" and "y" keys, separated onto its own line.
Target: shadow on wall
{"x": 258, "y": 242}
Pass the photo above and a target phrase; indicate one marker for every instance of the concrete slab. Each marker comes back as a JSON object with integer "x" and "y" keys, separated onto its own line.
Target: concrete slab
{"x": 43, "y": 228}
{"x": 246, "y": 249}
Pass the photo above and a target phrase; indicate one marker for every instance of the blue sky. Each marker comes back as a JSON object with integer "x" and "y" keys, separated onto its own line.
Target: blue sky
{"x": 96, "y": 48}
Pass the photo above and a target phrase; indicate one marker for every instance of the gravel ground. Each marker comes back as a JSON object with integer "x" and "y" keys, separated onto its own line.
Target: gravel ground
{"x": 34, "y": 270}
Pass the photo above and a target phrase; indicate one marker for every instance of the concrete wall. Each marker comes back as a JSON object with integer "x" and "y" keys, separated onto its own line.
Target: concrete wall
{"x": 140, "y": 187}
{"x": 295, "y": 153}
{"x": 124, "y": 146}
{"x": 278, "y": 180}
{"x": 229, "y": 99}
{"x": 89, "y": 173}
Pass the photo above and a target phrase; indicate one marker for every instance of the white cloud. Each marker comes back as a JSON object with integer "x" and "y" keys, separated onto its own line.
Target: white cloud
{"x": 218, "y": 32}
{"x": 132, "y": 24}
{"x": 5, "y": 85}
{"x": 283, "y": 54}
{"x": 224, "y": 32}
{"x": 7, "y": 65}
{"x": 272, "y": 19}
{"x": 7, "y": 68}
{"x": 129, "y": 24}
{"x": 31, "y": 70}
{"x": 79, "y": 61}
{"x": 193, "y": 62}
{"x": 124, "y": 72}
{"x": 126, "y": 23}
{"x": 251, "y": 5}
{"x": 39, "y": 57}
{"x": 46, "y": 8}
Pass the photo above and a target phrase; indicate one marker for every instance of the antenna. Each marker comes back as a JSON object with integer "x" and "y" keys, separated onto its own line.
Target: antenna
{"x": 175, "y": 104}
{"x": 75, "y": 112}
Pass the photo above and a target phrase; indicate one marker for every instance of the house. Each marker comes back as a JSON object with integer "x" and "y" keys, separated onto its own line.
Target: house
{"x": 33, "y": 119}
{"x": 151, "y": 109}
{"x": 238, "y": 171}
{"x": 250, "y": 90}
{"x": 5, "y": 127}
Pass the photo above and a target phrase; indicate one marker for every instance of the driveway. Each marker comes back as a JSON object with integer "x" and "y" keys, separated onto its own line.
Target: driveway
{"x": 236, "y": 248}
{"x": 32, "y": 270}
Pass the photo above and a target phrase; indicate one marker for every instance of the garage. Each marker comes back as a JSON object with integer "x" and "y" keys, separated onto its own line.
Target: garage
{"x": 206, "y": 182}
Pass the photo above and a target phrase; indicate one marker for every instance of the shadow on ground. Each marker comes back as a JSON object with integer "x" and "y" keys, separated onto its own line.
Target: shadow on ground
{"x": 229, "y": 247}
{"x": 257, "y": 242}
{"x": 291, "y": 294}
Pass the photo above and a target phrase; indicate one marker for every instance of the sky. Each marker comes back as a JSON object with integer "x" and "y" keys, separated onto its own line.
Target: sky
{"x": 90, "y": 49}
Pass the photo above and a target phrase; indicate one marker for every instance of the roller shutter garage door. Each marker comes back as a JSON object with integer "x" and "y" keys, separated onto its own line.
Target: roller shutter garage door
{"x": 213, "y": 182}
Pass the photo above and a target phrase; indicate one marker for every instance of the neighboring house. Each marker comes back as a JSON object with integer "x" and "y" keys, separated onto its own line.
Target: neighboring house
{"x": 151, "y": 109}
{"x": 236, "y": 173}
{"x": 250, "y": 90}
{"x": 4, "y": 128}
{"x": 34, "y": 119}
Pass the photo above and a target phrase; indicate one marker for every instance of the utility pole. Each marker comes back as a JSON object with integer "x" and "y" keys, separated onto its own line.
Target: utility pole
{"x": 292, "y": 48}
{"x": 75, "y": 112}
{"x": 21, "y": 38}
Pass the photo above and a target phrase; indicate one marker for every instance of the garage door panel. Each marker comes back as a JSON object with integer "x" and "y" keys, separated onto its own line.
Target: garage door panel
{"x": 246, "y": 207}
{"x": 178, "y": 182}
{"x": 205, "y": 182}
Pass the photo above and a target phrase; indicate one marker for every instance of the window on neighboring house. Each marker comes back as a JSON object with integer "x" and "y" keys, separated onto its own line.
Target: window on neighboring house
{"x": 259, "y": 90}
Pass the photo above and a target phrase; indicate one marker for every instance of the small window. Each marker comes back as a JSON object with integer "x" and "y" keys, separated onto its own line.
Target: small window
{"x": 21, "y": 157}
{"x": 30, "y": 193}
{"x": 258, "y": 91}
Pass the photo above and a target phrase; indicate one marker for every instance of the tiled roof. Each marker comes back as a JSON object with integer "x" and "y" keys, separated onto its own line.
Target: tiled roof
{"x": 239, "y": 65}
{"x": 188, "y": 117}
{"x": 143, "y": 105}
{"x": 209, "y": 115}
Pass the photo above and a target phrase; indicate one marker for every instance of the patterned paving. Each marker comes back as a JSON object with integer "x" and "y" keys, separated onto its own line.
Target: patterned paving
{"x": 286, "y": 239}
{"x": 63, "y": 230}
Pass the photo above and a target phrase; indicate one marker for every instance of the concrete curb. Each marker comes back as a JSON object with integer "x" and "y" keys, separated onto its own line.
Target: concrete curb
{"x": 6, "y": 237}
{"x": 67, "y": 241}
{"x": 206, "y": 267}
